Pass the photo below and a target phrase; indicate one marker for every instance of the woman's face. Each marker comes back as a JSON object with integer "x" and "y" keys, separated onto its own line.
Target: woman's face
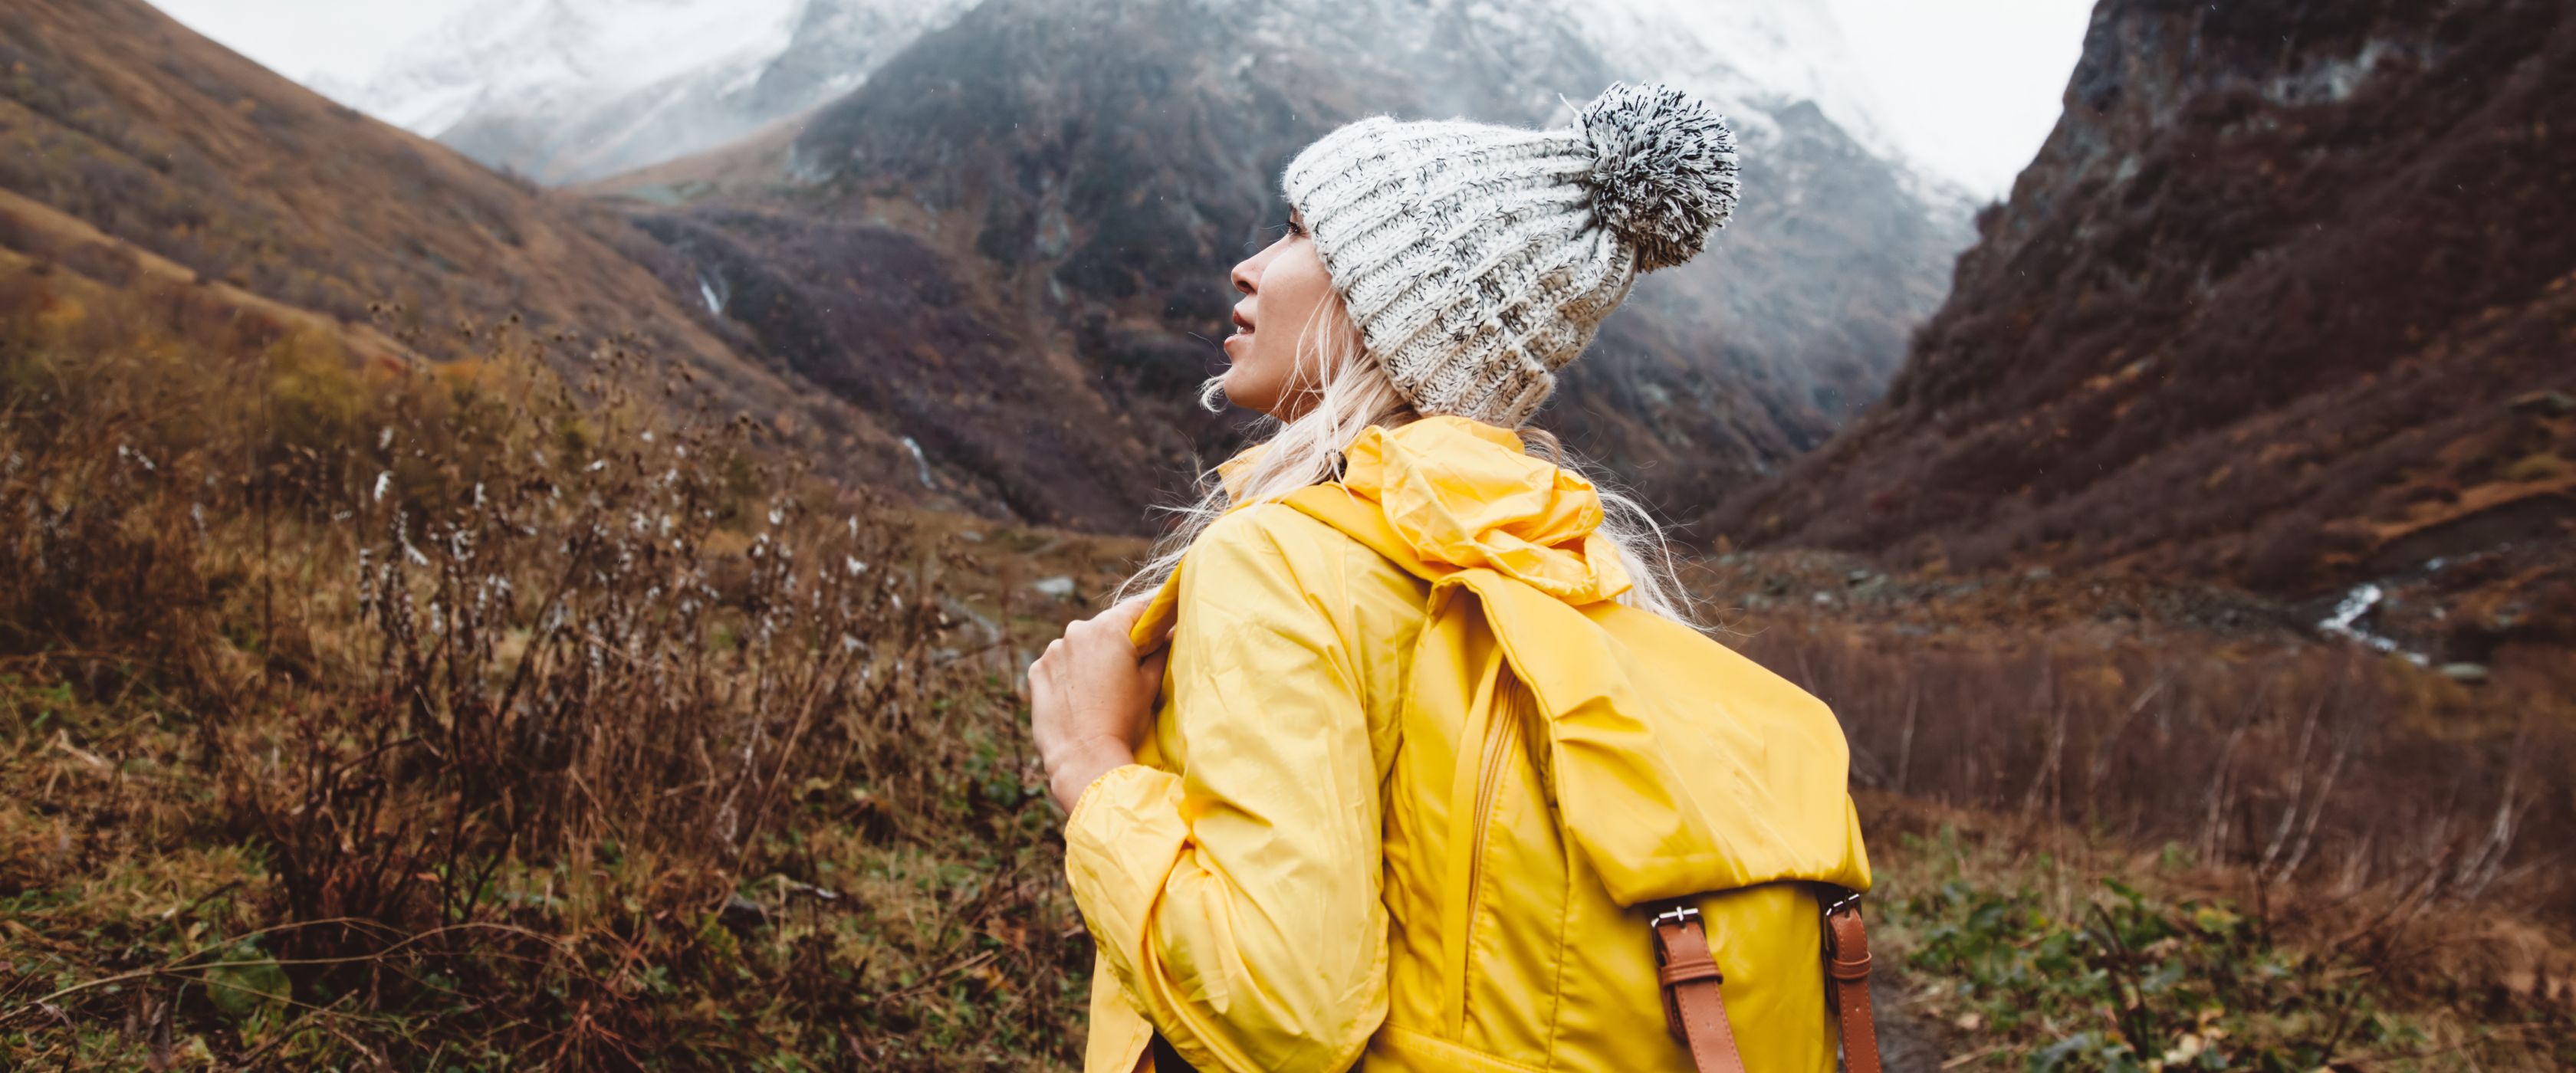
{"x": 1282, "y": 286}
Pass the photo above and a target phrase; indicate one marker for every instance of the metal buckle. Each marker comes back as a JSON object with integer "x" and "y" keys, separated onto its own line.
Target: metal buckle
{"x": 1849, "y": 899}
{"x": 1676, "y": 916}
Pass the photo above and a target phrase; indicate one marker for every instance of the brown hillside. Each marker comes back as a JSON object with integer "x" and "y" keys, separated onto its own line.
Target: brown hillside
{"x": 2287, "y": 299}
{"x": 130, "y": 144}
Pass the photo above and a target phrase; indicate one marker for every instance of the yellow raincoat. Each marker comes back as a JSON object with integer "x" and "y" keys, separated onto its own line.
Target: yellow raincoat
{"x": 1413, "y": 774}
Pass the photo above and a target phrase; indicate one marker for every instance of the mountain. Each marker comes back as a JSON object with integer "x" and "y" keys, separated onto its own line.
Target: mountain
{"x": 1010, "y": 242}
{"x": 2285, "y": 300}
{"x": 133, "y": 149}
{"x": 571, "y": 90}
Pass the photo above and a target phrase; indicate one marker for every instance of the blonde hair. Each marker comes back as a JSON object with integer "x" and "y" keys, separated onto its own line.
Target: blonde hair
{"x": 1348, "y": 392}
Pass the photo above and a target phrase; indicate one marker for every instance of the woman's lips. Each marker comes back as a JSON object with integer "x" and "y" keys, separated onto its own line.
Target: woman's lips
{"x": 1242, "y": 328}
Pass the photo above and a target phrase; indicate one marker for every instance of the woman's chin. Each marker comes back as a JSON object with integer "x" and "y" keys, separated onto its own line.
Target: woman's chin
{"x": 1232, "y": 387}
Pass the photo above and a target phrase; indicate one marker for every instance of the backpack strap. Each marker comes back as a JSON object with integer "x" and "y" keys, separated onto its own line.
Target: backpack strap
{"x": 1695, "y": 1010}
{"x": 1847, "y": 983}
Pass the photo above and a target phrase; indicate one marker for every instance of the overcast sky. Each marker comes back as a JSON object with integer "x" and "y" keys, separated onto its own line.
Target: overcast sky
{"x": 1969, "y": 86}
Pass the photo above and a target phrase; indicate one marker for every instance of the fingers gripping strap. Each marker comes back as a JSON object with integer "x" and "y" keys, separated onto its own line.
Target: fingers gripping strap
{"x": 1694, "y": 1008}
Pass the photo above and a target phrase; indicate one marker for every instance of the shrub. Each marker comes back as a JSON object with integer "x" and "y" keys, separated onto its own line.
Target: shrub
{"x": 554, "y": 726}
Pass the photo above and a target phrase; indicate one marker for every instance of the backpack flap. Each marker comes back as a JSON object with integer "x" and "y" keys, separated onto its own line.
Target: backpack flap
{"x": 1679, "y": 766}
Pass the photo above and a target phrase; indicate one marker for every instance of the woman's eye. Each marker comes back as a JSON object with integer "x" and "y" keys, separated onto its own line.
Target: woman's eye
{"x": 1294, "y": 228}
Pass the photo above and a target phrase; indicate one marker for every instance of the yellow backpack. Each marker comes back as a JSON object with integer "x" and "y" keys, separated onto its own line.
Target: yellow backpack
{"x": 1619, "y": 783}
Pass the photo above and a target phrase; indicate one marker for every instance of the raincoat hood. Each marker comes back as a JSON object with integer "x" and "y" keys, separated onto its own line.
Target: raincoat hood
{"x": 1462, "y": 493}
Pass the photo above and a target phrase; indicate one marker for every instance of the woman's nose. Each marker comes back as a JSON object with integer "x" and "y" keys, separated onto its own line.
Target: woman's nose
{"x": 1247, "y": 273}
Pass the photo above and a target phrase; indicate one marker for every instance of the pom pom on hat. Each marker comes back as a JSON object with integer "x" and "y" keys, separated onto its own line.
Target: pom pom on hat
{"x": 1663, "y": 172}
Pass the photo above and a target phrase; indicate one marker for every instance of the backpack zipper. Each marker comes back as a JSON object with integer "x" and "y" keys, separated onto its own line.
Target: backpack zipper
{"x": 1502, "y": 729}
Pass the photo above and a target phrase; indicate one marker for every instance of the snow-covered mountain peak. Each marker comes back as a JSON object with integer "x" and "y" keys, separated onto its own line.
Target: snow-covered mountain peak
{"x": 569, "y": 90}
{"x": 574, "y": 89}
{"x": 510, "y": 53}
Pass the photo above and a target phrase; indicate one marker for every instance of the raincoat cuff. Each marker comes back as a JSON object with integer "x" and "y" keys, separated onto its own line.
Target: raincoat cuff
{"x": 1083, "y": 799}
{"x": 1120, "y": 841}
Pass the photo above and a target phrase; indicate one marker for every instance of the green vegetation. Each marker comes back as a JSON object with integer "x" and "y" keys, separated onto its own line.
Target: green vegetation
{"x": 2056, "y": 966}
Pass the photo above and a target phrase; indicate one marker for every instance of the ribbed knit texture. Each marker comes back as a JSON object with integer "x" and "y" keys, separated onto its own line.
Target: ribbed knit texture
{"x": 1478, "y": 260}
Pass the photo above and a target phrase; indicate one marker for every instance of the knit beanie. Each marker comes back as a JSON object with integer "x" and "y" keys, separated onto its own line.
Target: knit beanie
{"x": 1478, "y": 260}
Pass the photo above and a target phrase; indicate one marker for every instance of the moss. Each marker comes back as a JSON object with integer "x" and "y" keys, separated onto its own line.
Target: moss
{"x": 2545, "y": 466}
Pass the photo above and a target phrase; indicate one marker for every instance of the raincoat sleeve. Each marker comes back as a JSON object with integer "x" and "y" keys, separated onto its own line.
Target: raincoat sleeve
{"x": 1237, "y": 900}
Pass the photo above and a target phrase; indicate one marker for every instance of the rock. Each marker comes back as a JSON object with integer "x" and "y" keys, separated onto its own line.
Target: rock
{"x": 1059, "y": 586}
{"x": 742, "y": 916}
{"x": 984, "y": 625}
{"x": 797, "y": 888}
{"x": 2544, "y": 403}
{"x": 2464, "y": 672}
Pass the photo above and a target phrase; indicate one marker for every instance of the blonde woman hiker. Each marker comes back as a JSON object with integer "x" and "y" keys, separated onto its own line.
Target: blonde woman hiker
{"x": 1404, "y": 753}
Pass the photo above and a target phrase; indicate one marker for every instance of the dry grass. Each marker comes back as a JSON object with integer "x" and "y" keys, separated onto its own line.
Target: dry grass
{"x": 2357, "y": 862}
{"x": 386, "y": 716}
{"x": 2327, "y": 767}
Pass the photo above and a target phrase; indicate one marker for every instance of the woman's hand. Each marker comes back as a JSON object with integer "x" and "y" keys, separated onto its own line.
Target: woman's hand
{"x": 1091, "y": 700}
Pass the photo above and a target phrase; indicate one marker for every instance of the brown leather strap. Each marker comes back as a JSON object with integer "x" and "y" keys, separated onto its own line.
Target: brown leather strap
{"x": 1695, "y": 1010}
{"x": 1847, "y": 984}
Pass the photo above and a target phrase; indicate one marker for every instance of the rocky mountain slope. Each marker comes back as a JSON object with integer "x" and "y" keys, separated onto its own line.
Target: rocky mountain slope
{"x": 132, "y": 148}
{"x": 2286, "y": 300}
{"x": 1010, "y": 243}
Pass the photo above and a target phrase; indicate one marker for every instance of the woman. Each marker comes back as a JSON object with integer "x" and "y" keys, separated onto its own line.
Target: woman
{"x": 1435, "y": 741}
